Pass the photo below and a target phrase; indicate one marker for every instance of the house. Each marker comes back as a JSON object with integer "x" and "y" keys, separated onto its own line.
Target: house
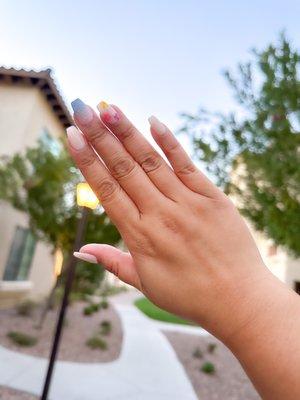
{"x": 31, "y": 107}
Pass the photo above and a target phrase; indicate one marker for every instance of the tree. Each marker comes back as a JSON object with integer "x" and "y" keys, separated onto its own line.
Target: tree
{"x": 42, "y": 183}
{"x": 254, "y": 153}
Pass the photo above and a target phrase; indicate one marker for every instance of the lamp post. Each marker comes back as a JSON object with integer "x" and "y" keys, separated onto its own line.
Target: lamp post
{"x": 87, "y": 200}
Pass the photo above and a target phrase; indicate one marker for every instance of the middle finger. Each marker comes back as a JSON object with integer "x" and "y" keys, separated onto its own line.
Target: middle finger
{"x": 120, "y": 164}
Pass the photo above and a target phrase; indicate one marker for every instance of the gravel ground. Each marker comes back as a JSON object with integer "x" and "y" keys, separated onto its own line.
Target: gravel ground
{"x": 77, "y": 330}
{"x": 12, "y": 394}
{"x": 229, "y": 382}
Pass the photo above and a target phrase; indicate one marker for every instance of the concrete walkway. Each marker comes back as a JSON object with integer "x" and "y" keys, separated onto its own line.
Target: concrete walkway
{"x": 147, "y": 368}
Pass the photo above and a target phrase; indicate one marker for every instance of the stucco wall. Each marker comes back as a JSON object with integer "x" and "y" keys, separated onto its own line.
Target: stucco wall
{"x": 24, "y": 115}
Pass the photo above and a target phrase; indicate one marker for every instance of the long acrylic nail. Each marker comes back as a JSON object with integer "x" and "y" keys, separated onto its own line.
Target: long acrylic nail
{"x": 158, "y": 126}
{"x": 108, "y": 113}
{"x": 85, "y": 257}
{"x": 75, "y": 138}
{"x": 82, "y": 111}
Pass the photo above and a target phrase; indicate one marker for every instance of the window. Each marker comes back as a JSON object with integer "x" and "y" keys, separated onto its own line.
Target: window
{"x": 20, "y": 255}
{"x": 49, "y": 142}
{"x": 297, "y": 286}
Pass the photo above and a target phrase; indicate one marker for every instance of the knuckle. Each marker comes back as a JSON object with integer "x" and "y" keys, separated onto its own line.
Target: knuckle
{"x": 127, "y": 132}
{"x": 172, "y": 148}
{"x": 186, "y": 169}
{"x": 106, "y": 188}
{"x": 122, "y": 167}
{"x": 151, "y": 162}
{"x": 96, "y": 133}
{"x": 86, "y": 160}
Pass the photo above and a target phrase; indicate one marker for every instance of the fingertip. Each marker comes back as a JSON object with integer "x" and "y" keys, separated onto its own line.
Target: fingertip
{"x": 85, "y": 257}
{"x": 156, "y": 125}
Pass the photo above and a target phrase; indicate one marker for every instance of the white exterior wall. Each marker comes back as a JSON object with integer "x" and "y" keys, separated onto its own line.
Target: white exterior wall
{"x": 24, "y": 115}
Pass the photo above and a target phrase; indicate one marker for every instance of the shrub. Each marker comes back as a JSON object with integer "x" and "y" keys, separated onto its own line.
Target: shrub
{"x": 208, "y": 368}
{"x": 26, "y": 308}
{"x": 91, "y": 309}
{"x": 105, "y": 327}
{"x": 96, "y": 342}
{"x": 211, "y": 347}
{"x": 104, "y": 304}
{"x": 198, "y": 353}
{"x": 22, "y": 339}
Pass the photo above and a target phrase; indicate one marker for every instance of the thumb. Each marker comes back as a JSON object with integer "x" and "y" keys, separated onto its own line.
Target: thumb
{"x": 114, "y": 260}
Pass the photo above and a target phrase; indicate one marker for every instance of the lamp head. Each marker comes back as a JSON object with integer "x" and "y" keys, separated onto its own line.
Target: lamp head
{"x": 85, "y": 196}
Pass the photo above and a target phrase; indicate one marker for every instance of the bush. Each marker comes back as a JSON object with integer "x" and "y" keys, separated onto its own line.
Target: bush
{"x": 105, "y": 327}
{"x": 211, "y": 347}
{"x": 208, "y": 368}
{"x": 95, "y": 342}
{"x": 22, "y": 339}
{"x": 111, "y": 290}
{"x": 198, "y": 353}
{"x": 26, "y": 308}
{"x": 88, "y": 278}
{"x": 91, "y": 309}
{"x": 104, "y": 304}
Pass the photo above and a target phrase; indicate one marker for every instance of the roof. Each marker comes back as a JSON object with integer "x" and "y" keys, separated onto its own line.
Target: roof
{"x": 45, "y": 83}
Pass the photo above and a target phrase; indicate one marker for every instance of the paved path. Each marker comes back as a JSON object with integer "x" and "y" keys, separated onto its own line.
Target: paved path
{"x": 147, "y": 368}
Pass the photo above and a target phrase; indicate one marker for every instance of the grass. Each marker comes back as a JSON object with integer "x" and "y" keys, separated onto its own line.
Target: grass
{"x": 154, "y": 312}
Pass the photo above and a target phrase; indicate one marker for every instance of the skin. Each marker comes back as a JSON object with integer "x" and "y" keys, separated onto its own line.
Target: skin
{"x": 190, "y": 252}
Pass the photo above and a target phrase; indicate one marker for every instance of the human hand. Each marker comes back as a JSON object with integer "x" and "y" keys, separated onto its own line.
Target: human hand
{"x": 190, "y": 252}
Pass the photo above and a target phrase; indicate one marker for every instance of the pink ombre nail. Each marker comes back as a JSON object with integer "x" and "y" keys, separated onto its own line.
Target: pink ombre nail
{"x": 85, "y": 257}
{"x": 158, "y": 126}
{"x": 82, "y": 111}
{"x": 108, "y": 113}
{"x": 75, "y": 138}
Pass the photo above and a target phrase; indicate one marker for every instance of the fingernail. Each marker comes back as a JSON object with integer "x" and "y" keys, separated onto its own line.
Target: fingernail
{"x": 158, "y": 126}
{"x": 75, "y": 138}
{"x": 108, "y": 113}
{"x": 82, "y": 111}
{"x": 85, "y": 257}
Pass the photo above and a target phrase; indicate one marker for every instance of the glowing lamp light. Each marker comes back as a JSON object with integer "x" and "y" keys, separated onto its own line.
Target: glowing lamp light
{"x": 85, "y": 196}
{"x": 58, "y": 262}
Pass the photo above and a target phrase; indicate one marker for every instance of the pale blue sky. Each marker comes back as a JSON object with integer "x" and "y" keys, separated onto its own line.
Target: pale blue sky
{"x": 149, "y": 57}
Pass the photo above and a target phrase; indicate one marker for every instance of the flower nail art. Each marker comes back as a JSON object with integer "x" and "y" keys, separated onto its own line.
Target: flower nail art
{"x": 108, "y": 113}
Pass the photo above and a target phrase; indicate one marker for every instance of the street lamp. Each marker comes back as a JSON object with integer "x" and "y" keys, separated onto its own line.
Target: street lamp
{"x": 87, "y": 200}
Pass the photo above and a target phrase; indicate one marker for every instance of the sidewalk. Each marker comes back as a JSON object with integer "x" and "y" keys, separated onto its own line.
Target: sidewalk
{"x": 147, "y": 369}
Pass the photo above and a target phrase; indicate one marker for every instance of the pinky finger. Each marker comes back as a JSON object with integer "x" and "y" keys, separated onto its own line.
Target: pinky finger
{"x": 181, "y": 163}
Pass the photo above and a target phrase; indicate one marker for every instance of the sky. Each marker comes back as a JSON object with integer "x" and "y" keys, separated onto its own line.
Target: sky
{"x": 148, "y": 57}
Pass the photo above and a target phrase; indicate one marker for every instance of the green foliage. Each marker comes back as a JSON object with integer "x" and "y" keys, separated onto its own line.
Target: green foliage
{"x": 104, "y": 304}
{"x": 154, "y": 312}
{"x": 254, "y": 153}
{"x": 96, "y": 342}
{"x": 26, "y": 308}
{"x": 105, "y": 328}
{"x": 111, "y": 290}
{"x": 91, "y": 309}
{"x": 42, "y": 183}
{"x": 22, "y": 339}
{"x": 208, "y": 368}
{"x": 211, "y": 347}
{"x": 88, "y": 278}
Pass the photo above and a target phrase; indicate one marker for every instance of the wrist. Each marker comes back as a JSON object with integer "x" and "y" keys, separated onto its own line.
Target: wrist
{"x": 260, "y": 305}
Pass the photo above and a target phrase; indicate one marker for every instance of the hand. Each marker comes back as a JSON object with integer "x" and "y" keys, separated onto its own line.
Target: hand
{"x": 189, "y": 250}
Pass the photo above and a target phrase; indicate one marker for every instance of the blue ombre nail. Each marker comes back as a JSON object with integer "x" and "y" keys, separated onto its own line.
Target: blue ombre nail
{"x": 83, "y": 113}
